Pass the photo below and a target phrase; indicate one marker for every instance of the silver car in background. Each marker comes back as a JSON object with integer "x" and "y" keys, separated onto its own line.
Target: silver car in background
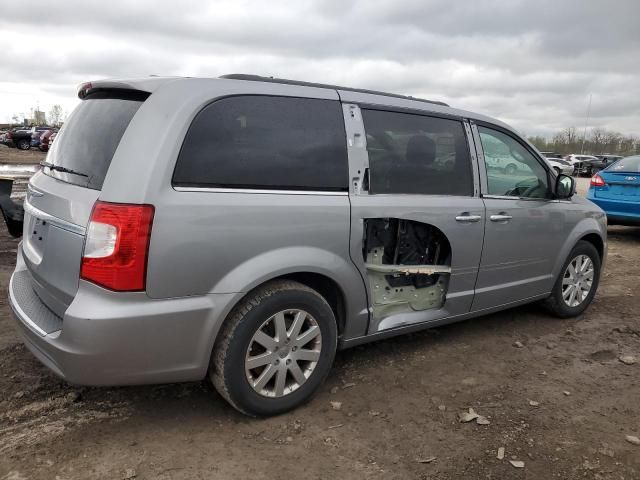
{"x": 272, "y": 222}
{"x": 561, "y": 166}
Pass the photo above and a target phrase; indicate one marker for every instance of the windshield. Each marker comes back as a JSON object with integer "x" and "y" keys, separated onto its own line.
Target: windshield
{"x": 89, "y": 138}
{"x": 628, "y": 164}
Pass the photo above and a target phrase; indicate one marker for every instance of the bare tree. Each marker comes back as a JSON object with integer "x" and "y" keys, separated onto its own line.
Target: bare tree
{"x": 612, "y": 141}
{"x": 55, "y": 116}
{"x": 597, "y": 140}
{"x": 570, "y": 136}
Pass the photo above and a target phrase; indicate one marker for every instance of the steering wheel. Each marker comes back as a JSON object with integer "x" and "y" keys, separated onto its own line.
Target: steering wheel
{"x": 527, "y": 193}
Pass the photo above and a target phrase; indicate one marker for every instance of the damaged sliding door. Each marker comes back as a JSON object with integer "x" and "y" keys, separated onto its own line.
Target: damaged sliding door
{"x": 417, "y": 222}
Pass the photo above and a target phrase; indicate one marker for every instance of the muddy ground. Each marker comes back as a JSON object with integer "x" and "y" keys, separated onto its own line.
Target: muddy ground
{"x": 400, "y": 401}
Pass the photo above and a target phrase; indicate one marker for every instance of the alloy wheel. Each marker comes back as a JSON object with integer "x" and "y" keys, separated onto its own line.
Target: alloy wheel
{"x": 283, "y": 353}
{"x": 577, "y": 280}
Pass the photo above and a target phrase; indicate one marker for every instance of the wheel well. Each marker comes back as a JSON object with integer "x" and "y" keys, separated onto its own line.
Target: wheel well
{"x": 326, "y": 287}
{"x": 596, "y": 241}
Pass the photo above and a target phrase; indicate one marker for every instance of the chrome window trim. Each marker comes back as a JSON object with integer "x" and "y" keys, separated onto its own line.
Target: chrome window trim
{"x": 260, "y": 191}
{"x": 58, "y": 222}
{"x": 528, "y": 199}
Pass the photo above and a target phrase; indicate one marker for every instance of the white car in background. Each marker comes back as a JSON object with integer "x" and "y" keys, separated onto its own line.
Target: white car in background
{"x": 561, "y": 166}
{"x": 574, "y": 159}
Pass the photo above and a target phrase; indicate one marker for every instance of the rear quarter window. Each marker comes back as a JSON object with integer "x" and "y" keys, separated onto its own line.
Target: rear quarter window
{"x": 263, "y": 142}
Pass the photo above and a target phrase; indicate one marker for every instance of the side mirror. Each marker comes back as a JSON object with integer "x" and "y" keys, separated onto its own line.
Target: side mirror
{"x": 565, "y": 186}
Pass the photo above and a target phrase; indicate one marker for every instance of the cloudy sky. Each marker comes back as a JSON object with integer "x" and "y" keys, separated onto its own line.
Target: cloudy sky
{"x": 530, "y": 63}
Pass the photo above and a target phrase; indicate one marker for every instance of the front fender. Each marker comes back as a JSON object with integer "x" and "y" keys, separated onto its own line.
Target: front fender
{"x": 593, "y": 224}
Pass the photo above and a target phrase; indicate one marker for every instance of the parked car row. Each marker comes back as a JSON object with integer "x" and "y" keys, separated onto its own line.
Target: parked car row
{"x": 26, "y": 138}
{"x": 587, "y": 165}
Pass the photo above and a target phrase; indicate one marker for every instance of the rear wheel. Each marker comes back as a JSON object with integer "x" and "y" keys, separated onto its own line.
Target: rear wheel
{"x": 24, "y": 144}
{"x": 577, "y": 283}
{"x": 275, "y": 349}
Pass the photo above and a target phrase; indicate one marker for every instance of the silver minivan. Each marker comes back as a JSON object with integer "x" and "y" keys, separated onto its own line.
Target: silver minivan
{"x": 245, "y": 228}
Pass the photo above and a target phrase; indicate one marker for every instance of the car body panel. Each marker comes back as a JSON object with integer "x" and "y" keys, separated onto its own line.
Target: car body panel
{"x": 516, "y": 262}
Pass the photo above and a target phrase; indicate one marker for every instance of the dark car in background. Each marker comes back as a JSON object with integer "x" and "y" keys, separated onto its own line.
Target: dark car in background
{"x": 600, "y": 162}
{"x": 608, "y": 159}
{"x": 21, "y": 137}
{"x": 587, "y": 165}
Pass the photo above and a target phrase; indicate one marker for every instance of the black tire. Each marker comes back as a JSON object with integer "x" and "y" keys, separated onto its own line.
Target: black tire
{"x": 24, "y": 144}
{"x": 555, "y": 303}
{"x": 227, "y": 367}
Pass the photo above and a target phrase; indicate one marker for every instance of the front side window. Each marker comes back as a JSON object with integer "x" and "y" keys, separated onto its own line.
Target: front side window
{"x": 264, "y": 142}
{"x": 416, "y": 154}
{"x": 512, "y": 170}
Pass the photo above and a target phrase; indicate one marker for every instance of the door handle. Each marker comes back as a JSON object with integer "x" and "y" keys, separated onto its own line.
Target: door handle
{"x": 468, "y": 218}
{"x": 502, "y": 217}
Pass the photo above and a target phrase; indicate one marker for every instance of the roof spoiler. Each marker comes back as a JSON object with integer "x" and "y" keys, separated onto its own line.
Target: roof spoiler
{"x": 115, "y": 88}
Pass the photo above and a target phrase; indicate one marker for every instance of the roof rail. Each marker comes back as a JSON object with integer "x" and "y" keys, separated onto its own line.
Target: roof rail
{"x": 258, "y": 78}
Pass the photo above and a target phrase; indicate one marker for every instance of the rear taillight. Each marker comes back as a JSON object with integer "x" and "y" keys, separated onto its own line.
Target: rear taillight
{"x": 117, "y": 246}
{"x": 597, "y": 181}
{"x": 9, "y": 136}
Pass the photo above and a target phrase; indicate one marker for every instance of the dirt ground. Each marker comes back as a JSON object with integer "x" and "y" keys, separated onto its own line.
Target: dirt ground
{"x": 562, "y": 403}
{"x": 13, "y": 155}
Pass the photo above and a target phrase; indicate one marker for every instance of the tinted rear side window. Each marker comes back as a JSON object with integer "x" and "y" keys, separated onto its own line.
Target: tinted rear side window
{"x": 89, "y": 138}
{"x": 417, "y": 154}
{"x": 266, "y": 143}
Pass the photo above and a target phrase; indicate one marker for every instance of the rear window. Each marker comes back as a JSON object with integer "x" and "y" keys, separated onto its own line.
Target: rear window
{"x": 265, "y": 142}
{"x": 628, "y": 164}
{"x": 89, "y": 138}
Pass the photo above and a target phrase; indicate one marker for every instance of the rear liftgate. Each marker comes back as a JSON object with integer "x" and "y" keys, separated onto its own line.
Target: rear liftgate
{"x": 408, "y": 265}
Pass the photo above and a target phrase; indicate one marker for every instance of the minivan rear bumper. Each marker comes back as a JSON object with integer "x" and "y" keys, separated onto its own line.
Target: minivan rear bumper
{"x": 110, "y": 338}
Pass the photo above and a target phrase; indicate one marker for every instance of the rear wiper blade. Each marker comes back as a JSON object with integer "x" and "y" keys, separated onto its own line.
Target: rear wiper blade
{"x": 59, "y": 168}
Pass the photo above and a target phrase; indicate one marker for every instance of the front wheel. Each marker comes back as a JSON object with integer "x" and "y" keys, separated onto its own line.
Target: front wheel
{"x": 275, "y": 349}
{"x": 577, "y": 283}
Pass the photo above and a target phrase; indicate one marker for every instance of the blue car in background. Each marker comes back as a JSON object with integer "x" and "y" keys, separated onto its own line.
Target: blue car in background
{"x": 616, "y": 190}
